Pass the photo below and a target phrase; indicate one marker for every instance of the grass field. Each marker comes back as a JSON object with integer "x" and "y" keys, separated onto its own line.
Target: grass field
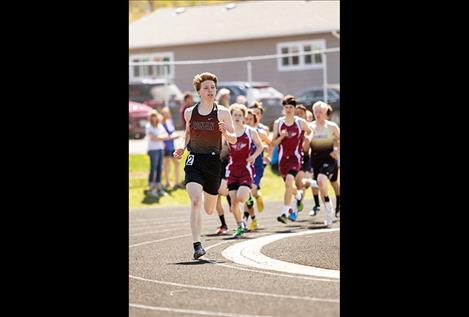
{"x": 272, "y": 185}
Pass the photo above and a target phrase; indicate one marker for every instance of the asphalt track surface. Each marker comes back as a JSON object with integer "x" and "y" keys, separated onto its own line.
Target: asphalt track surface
{"x": 283, "y": 277}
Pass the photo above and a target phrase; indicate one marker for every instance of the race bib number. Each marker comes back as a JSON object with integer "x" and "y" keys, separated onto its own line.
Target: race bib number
{"x": 190, "y": 160}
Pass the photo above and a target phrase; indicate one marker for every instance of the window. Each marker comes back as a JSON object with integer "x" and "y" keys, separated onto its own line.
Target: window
{"x": 301, "y": 55}
{"x": 152, "y": 71}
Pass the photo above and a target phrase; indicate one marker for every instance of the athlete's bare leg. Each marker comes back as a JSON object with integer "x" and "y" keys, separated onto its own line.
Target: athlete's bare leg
{"x": 195, "y": 194}
{"x": 220, "y": 209}
{"x": 336, "y": 187}
{"x": 290, "y": 189}
{"x": 210, "y": 203}
{"x": 323, "y": 183}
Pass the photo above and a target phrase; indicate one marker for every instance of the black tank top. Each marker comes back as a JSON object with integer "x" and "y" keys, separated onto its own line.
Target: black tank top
{"x": 205, "y": 137}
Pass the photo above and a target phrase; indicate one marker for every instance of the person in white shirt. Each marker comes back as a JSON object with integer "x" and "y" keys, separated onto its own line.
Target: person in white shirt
{"x": 156, "y": 137}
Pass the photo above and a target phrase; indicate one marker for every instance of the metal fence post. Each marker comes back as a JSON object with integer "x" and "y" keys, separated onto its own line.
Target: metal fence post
{"x": 324, "y": 77}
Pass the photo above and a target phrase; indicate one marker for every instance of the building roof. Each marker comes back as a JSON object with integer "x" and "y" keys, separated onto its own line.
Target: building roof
{"x": 247, "y": 20}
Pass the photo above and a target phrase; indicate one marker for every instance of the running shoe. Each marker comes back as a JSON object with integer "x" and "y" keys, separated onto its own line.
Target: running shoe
{"x": 162, "y": 193}
{"x": 222, "y": 230}
{"x": 250, "y": 202}
{"x": 260, "y": 203}
{"x": 299, "y": 205}
{"x": 314, "y": 211}
{"x": 179, "y": 186}
{"x": 292, "y": 216}
{"x": 282, "y": 218}
{"x": 198, "y": 251}
{"x": 239, "y": 232}
{"x": 253, "y": 225}
{"x": 154, "y": 193}
{"x": 337, "y": 212}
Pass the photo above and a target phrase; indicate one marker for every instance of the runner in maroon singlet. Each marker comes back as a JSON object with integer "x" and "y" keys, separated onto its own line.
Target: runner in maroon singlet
{"x": 288, "y": 133}
{"x": 240, "y": 169}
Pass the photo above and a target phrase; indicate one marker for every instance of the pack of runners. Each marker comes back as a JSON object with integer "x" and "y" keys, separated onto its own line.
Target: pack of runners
{"x": 230, "y": 148}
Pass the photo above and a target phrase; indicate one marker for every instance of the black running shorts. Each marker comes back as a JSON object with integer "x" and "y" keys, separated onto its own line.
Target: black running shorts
{"x": 292, "y": 173}
{"x": 326, "y": 167}
{"x": 235, "y": 186}
{"x": 224, "y": 163}
{"x": 306, "y": 165}
{"x": 203, "y": 169}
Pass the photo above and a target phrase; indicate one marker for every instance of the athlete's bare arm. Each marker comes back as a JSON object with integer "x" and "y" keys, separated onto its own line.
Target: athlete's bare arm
{"x": 259, "y": 148}
{"x": 226, "y": 125}
{"x": 276, "y": 136}
{"x": 187, "y": 134}
{"x": 264, "y": 136}
{"x": 304, "y": 125}
{"x": 307, "y": 142}
{"x": 336, "y": 134}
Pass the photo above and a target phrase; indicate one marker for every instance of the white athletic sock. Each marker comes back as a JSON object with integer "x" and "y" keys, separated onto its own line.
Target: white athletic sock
{"x": 299, "y": 194}
{"x": 285, "y": 210}
{"x": 312, "y": 183}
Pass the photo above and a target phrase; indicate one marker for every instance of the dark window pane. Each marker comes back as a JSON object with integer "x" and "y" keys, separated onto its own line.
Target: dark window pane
{"x": 317, "y": 58}
{"x": 136, "y": 68}
{"x": 285, "y": 61}
{"x": 295, "y": 59}
{"x": 145, "y": 68}
{"x": 308, "y": 59}
{"x": 166, "y": 67}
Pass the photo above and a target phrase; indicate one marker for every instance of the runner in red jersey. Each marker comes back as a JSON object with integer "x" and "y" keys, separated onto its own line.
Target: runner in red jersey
{"x": 240, "y": 169}
{"x": 288, "y": 133}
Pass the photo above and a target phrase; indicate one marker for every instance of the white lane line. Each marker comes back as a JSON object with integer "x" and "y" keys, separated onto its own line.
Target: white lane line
{"x": 330, "y": 300}
{"x": 248, "y": 253}
{"x": 151, "y": 232}
{"x": 157, "y": 223}
{"x": 192, "y": 311}
{"x": 264, "y": 223}
{"x": 280, "y": 274}
{"x": 170, "y": 223}
{"x": 265, "y": 272}
{"x": 235, "y": 267}
{"x": 159, "y": 240}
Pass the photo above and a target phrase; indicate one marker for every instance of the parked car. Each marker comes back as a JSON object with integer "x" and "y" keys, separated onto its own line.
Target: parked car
{"x": 138, "y": 118}
{"x": 157, "y": 93}
{"x": 312, "y": 94}
{"x": 270, "y": 97}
